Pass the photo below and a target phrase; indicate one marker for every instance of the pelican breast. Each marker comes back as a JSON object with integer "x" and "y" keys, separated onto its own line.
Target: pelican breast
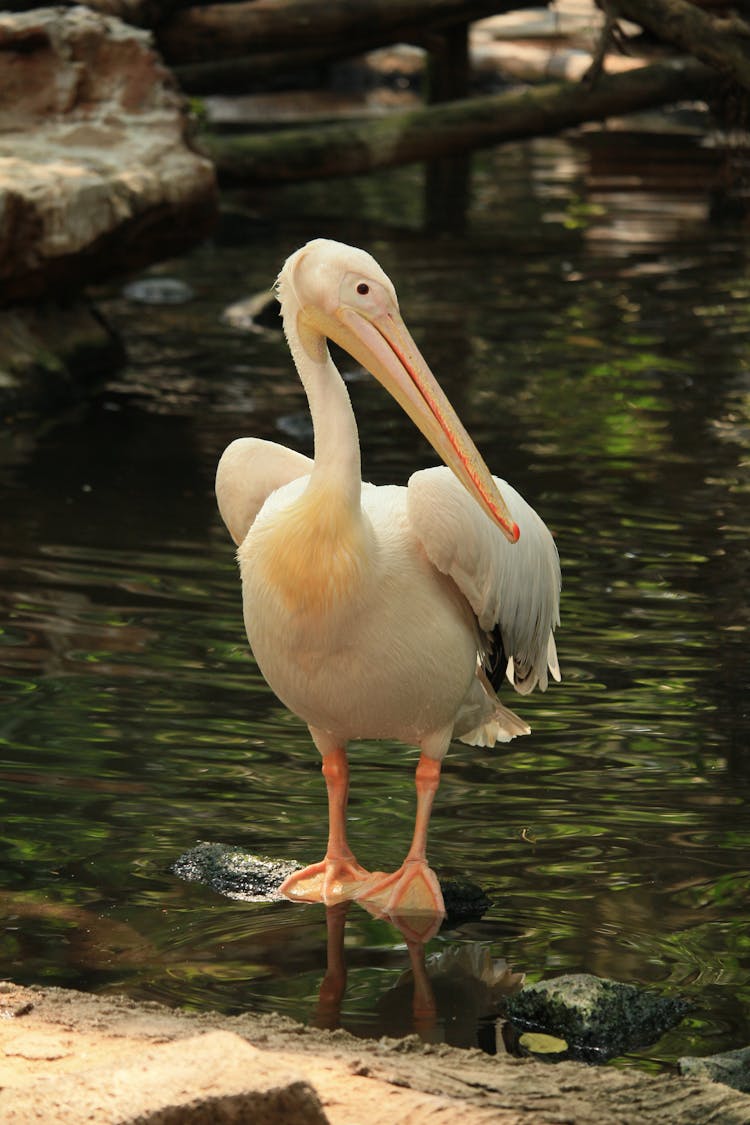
{"x": 342, "y": 610}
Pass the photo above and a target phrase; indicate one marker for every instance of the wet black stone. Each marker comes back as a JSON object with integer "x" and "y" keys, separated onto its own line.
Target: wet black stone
{"x": 234, "y": 873}
{"x": 464, "y": 902}
{"x": 598, "y": 1018}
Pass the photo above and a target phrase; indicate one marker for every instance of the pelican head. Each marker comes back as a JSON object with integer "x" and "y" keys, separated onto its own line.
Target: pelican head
{"x": 341, "y": 293}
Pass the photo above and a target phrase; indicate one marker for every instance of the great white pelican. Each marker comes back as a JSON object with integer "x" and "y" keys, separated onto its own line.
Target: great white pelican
{"x": 383, "y": 612}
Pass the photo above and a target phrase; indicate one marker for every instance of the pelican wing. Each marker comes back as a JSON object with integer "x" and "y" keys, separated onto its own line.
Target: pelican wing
{"x": 513, "y": 589}
{"x": 251, "y": 469}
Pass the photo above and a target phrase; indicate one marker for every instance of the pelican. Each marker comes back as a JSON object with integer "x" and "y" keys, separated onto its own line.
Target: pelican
{"x": 383, "y": 612}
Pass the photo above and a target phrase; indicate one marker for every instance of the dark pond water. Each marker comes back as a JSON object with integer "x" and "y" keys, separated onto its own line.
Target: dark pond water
{"x": 592, "y": 327}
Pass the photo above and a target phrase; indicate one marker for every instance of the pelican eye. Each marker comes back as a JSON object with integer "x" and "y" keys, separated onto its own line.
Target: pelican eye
{"x": 363, "y": 288}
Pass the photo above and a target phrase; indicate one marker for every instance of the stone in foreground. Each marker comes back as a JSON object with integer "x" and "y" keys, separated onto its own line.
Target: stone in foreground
{"x": 598, "y": 1018}
{"x": 732, "y": 1068}
{"x": 212, "y": 1079}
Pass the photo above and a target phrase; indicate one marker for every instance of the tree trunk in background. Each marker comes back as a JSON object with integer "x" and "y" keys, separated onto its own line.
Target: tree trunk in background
{"x": 447, "y": 178}
{"x": 450, "y": 128}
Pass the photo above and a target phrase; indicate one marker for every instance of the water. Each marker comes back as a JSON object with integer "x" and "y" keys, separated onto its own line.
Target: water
{"x": 595, "y": 338}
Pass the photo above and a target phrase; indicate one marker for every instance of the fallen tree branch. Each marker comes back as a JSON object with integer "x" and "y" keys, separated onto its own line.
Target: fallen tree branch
{"x": 449, "y": 128}
{"x": 721, "y": 43}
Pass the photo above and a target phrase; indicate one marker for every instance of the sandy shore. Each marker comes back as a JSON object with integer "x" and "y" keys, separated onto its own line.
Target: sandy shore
{"x": 68, "y": 1056}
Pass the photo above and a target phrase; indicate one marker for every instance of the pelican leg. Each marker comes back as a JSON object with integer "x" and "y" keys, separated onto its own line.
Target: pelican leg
{"x": 414, "y": 888}
{"x": 338, "y": 876}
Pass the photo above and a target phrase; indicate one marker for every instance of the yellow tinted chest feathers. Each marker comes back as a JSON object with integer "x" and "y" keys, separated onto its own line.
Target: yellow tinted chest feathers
{"x": 310, "y": 556}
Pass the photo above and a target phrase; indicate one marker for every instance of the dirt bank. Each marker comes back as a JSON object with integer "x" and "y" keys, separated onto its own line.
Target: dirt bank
{"x": 68, "y": 1056}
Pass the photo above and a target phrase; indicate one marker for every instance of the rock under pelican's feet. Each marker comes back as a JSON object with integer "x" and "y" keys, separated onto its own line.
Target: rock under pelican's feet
{"x": 413, "y": 889}
{"x": 330, "y": 881}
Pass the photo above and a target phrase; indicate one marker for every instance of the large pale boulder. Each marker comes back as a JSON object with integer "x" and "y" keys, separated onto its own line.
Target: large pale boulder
{"x": 96, "y": 172}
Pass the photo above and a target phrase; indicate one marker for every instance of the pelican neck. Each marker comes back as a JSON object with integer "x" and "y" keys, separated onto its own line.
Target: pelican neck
{"x": 338, "y": 466}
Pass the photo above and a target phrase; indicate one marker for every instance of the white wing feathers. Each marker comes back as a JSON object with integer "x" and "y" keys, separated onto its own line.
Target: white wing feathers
{"x": 251, "y": 469}
{"x": 513, "y": 587}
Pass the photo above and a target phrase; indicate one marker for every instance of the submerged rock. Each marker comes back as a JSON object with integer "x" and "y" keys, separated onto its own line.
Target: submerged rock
{"x": 597, "y": 1018}
{"x": 159, "y": 291}
{"x": 732, "y": 1068}
{"x": 52, "y": 353}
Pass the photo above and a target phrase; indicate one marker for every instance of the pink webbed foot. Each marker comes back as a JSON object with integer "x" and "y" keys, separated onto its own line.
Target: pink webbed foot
{"x": 330, "y": 881}
{"x": 413, "y": 889}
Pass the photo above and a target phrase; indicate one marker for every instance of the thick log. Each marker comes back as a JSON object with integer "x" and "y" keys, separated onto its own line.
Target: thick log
{"x": 451, "y": 128}
{"x": 232, "y": 29}
{"x": 723, "y": 43}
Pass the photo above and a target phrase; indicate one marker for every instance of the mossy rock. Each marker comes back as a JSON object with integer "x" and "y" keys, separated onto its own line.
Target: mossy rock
{"x": 598, "y": 1018}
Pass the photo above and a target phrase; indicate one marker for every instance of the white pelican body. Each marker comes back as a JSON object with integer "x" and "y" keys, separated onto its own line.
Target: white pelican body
{"x": 332, "y": 649}
{"x": 373, "y": 612}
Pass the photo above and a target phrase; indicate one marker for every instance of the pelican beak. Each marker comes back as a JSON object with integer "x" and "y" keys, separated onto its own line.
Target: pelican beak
{"x": 384, "y": 346}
